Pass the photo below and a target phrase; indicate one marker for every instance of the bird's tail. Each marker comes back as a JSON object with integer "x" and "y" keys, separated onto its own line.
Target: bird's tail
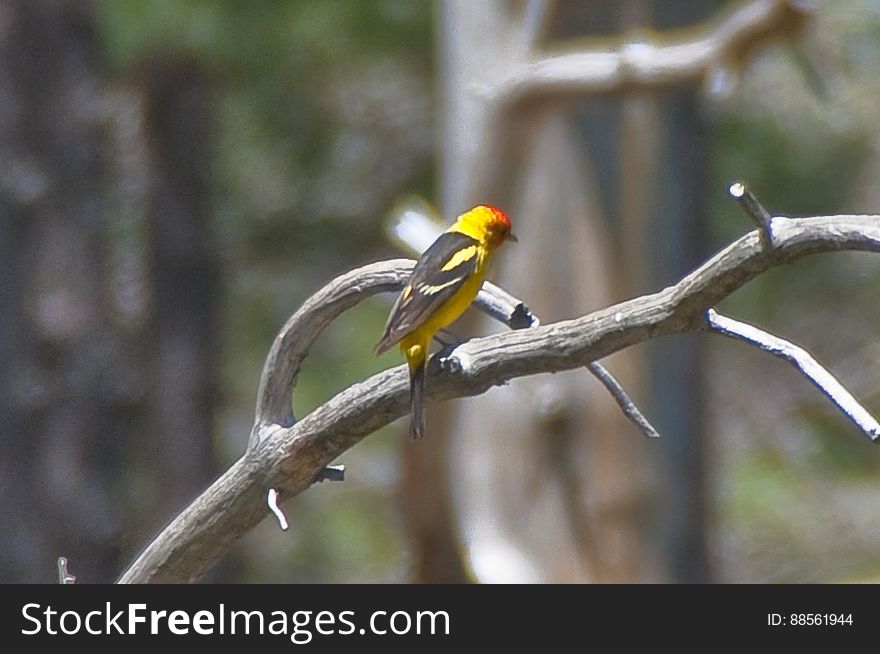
{"x": 417, "y": 407}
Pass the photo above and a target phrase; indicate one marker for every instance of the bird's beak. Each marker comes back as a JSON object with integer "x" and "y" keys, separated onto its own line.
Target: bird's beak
{"x": 511, "y": 237}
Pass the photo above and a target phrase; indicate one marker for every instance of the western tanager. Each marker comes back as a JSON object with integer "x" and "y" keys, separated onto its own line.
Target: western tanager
{"x": 443, "y": 283}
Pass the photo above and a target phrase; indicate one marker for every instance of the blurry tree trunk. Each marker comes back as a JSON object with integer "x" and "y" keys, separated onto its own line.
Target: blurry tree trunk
{"x": 184, "y": 288}
{"x": 678, "y": 396}
{"x": 426, "y": 502}
{"x": 64, "y": 374}
{"x": 660, "y": 142}
{"x": 73, "y": 379}
{"x": 547, "y": 484}
{"x": 427, "y": 513}
{"x": 435, "y": 545}
{"x": 679, "y": 216}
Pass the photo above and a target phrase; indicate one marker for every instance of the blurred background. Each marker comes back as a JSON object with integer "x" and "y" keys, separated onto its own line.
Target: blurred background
{"x": 178, "y": 176}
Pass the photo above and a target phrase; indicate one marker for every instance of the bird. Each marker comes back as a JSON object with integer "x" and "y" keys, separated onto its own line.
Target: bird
{"x": 442, "y": 285}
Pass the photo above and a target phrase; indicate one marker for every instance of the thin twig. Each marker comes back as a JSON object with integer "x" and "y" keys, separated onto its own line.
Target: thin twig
{"x": 626, "y": 405}
{"x": 803, "y": 361}
{"x": 64, "y": 577}
{"x": 272, "y": 501}
{"x": 754, "y": 210}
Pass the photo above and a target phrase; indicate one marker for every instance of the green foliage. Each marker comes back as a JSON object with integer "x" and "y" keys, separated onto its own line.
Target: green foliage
{"x": 838, "y": 453}
{"x": 246, "y": 37}
{"x": 765, "y": 486}
{"x": 286, "y": 77}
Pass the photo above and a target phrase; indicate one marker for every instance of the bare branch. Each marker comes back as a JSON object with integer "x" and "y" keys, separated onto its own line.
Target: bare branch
{"x": 630, "y": 410}
{"x": 272, "y": 501}
{"x": 64, "y": 577}
{"x": 754, "y": 210}
{"x": 500, "y": 305}
{"x": 803, "y": 361}
{"x": 289, "y": 458}
{"x": 645, "y": 65}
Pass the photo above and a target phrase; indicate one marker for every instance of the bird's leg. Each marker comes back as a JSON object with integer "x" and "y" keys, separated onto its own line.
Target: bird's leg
{"x": 448, "y": 339}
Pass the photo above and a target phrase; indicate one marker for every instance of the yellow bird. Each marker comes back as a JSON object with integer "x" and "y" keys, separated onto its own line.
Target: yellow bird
{"x": 442, "y": 285}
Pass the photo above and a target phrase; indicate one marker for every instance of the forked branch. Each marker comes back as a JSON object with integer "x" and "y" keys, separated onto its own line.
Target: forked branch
{"x": 803, "y": 361}
{"x": 290, "y": 458}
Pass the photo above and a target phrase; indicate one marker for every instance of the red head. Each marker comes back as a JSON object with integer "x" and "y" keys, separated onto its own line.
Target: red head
{"x": 491, "y": 223}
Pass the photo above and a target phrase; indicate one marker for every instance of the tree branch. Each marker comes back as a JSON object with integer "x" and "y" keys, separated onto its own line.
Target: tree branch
{"x": 756, "y": 211}
{"x": 803, "y": 361}
{"x": 64, "y": 577}
{"x": 645, "y": 65}
{"x": 629, "y": 408}
{"x": 272, "y": 502}
{"x": 289, "y": 458}
{"x": 533, "y": 24}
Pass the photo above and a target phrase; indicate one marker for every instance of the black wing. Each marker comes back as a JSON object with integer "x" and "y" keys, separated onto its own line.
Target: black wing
{"x": 430, "y": 285}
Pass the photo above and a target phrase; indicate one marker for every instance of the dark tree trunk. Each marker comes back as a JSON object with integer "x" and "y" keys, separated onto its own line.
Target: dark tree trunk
{"x": 678, "y": 391}
{"x": 60, "y": 415}
{"x": 184, "y": 284}
{"x": 88, "y": 471}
